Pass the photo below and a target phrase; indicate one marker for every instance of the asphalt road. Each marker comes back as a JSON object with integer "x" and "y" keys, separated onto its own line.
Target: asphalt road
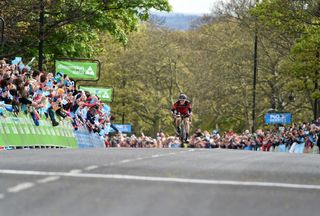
{"x": 154, "y": 182}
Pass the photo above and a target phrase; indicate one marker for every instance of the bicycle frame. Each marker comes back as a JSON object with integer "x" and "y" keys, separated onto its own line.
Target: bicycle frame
{"x": 182, "y": 135}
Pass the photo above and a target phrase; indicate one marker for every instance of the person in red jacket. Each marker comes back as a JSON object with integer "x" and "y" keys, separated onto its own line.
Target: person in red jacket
{"x": 182, "y": 110}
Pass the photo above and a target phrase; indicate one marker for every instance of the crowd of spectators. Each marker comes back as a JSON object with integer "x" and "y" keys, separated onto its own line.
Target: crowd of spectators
{"x": 43, "y": 95}
{"x": 297, "y": 138}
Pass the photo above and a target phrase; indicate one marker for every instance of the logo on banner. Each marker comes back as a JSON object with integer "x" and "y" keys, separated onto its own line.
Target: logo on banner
{"x": 89, "y": 71}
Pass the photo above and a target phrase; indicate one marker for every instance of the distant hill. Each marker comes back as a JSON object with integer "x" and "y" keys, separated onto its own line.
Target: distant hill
{"x": 175, "y": 21}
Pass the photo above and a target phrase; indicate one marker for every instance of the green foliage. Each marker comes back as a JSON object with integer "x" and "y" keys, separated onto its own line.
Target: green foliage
{"x": 71, "y": 28}
{"x": 148, "y": 76}
{"x": 291, "y": 17}
{"x": 212, "y": 63}
{"x": 299, "y": 21}
{"x": 316, "y": 94}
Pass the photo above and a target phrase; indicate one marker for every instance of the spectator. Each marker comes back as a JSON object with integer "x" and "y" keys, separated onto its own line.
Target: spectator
{"x": 40, "y": 94}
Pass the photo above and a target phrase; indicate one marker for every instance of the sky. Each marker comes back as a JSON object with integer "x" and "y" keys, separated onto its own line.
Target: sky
{"x": 192, "y": 6}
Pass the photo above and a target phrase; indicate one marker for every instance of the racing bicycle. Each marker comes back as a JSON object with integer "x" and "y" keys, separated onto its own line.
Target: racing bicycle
{"x": 182, "y": 130}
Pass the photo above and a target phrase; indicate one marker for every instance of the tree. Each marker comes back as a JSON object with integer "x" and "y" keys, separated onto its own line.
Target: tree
{"x": 299, "y": 19}
{"x": 71, "y": 27}
{"x": 278, "y": 24}
{"x": 219, "y": 62}
{"x": 212, "y": 64}
{"x": 147, "y": 75}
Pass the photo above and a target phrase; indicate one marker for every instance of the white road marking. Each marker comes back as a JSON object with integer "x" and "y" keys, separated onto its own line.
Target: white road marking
{"x": 109, "y": 164}
{"x": 191, "y": 150}
{"x": 156, "y": 179}
{"x": 124, "y": 161}
{"x": 1, "y": 196}
{"x": 20, "y": 187}
{"x": 119, "y": 162}
{"x": 137, "y": 159}
{"x": 48, "y": 179}
{"x": 75, "y": 171}
{"x": 91, "y": 167}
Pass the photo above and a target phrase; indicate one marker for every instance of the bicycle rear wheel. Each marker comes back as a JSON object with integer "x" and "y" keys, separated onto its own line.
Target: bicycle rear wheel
{"x": 182, "y": 134}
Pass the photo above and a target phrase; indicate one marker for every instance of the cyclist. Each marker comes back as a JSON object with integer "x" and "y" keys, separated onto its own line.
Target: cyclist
{"x": 182, "y": 107}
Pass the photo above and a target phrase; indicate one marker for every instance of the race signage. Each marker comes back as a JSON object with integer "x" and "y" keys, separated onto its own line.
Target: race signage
{"x": 123, "y": 128}
{"x": 21, "y": 131}
{"x": 278, "y": 118}
{"x": 104, "y": 94}
{"x": 78, "y": 70}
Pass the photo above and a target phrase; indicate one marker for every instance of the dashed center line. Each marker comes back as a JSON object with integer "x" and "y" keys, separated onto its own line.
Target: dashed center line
{"x": 21, "y": 187}
{"x": 75, "y": 171}
{"x": 48, "y": 179}
{"x": 26, "y": 185}
{"x": 91, "y": 167}
{"x": 125, "y": 161}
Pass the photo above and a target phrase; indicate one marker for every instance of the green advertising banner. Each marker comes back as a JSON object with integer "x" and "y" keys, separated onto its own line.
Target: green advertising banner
{"x": 78, "y": 70}
{"x": 105, "y": 94}
{"x": 21, "y": 131}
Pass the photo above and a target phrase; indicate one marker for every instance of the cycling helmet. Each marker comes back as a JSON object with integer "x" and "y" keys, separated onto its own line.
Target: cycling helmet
{"x": 182, "y": 97}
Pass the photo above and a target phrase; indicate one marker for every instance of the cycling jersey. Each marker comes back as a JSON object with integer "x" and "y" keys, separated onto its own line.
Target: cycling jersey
{"x": 183, "y": 109}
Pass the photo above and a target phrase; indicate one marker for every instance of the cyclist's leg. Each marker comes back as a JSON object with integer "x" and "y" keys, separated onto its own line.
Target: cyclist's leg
{"x": 177, "y": 124}
{"x": 187, "y": 127}
{"x": 182, "y": 135}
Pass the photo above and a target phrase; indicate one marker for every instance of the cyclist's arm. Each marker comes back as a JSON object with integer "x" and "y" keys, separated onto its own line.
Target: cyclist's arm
{"x": 174, "y": 110}
{"x": 190, "y": 109}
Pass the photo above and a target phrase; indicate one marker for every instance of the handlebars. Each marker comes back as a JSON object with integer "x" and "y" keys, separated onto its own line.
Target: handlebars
{"x": 178, "y": 115}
